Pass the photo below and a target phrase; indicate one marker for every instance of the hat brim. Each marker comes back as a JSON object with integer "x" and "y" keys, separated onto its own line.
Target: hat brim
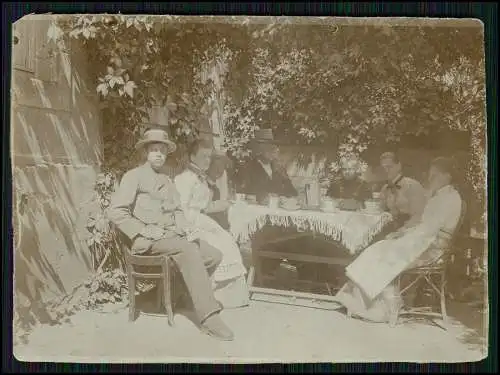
{"x": 262, "y": 140}
{"x": 171, "y": 146}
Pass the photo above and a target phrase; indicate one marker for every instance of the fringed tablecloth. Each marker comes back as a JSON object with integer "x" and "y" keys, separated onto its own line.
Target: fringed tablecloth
{"x": 354, "y": 230}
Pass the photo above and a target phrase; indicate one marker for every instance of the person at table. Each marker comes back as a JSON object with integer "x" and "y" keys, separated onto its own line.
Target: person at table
{"x": 262, "y": 175}
{"x": 145, "y": 208}
{"x": 370, "y": 293}
{"x": 350, "y": 188}
{"x": 220, "y": 185}
{"x": 402, "y": 196}
{"x": 196, "y": 202}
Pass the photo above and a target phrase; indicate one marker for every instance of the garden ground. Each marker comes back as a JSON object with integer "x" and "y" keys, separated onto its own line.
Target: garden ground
{"x": 265, "y": 332}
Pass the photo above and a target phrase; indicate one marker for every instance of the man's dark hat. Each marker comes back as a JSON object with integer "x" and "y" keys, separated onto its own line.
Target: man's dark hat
{"x": 263, "y": 136}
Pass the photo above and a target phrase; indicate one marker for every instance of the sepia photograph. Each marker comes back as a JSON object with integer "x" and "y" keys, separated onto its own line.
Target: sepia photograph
{"x": 249, "y": 189}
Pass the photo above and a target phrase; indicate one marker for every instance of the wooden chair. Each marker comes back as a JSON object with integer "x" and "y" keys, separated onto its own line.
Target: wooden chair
{"x": 427, "y": 273}
{"x": 157, "y": 268}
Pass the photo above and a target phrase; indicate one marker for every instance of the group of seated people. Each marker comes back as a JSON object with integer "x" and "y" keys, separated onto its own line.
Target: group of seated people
{"x": 178, "y": 217}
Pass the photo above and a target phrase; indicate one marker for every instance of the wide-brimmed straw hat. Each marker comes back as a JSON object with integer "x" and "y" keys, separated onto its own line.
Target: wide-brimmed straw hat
{"x": 156, "y": 136}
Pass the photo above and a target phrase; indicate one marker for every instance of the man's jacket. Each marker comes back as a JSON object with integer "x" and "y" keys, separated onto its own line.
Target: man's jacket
{"x": 144, "y": 197}
{"x": 252, "y": 179}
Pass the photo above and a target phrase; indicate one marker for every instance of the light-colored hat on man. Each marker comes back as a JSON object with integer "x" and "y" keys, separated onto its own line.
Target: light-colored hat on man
{"x": 156, "y": 136}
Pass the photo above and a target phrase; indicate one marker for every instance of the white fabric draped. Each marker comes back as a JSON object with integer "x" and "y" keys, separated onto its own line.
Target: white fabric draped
{"x": 354, "y": 230}
{"x": 393, "y": 256}
{"x": 195, "y": 196}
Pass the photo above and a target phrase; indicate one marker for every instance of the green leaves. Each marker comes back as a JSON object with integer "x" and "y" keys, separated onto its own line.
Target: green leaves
{"x": 102, "y": 88}
{"x": 101, "y": 236}
{"x": 311, "y": 84}
{"x": 129, "y": 88}
{"x": 113, "y": 80}
{"x": 117, "y": 81}
{"x": 54, "y": 33}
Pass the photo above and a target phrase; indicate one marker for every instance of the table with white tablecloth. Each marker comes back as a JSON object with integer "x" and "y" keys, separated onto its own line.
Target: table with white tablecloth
{"x": 354, "y": 230}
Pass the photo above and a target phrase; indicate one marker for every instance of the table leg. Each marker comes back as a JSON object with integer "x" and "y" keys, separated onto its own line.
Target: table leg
{"x": 257, "y": 268}
{"x": 250, "y": 279}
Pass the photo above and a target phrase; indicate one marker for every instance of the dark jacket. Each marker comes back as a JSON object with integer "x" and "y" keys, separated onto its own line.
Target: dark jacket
{"x": 252, "y": 179}
{"x": 355, "y": 189}
{"x": 220, "y": 217}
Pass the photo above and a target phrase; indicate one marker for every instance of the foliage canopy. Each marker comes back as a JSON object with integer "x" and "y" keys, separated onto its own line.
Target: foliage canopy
{"x": 344, "y": 86}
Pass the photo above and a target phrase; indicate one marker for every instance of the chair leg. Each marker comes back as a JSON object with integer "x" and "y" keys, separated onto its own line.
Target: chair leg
{"x": 167, "y": 281}
{"x": 132, "y": 315}
{"x": 395, "y": 308}
{"x": 393, "y": 319}
{"x": 443, "y": 298}
{"x": 159, "y": 296}
{"x": 395, "y": 305}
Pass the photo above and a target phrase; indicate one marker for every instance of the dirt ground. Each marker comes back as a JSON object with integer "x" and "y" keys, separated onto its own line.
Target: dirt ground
{"x": 265, "y": 332}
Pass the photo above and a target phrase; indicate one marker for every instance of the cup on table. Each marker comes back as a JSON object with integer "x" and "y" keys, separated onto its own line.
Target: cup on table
{"x": 240, "y": 197}
{"x": 329, "y": 204}
{"x": 251, "y": 198}
{"x": 274, "y": 201}
{"x": 372, "y": 206}
{"x": 376, "y": 195}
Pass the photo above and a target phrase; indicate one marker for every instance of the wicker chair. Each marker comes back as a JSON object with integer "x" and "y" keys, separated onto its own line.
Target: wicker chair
{"x": 427, "y": 273}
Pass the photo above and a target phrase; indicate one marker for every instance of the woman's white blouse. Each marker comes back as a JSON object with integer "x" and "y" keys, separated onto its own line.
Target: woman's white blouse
{"x": 195, "y": 195}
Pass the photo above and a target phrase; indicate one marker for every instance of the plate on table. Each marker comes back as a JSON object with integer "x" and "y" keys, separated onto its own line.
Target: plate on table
{"x": 251, "y": 199}
{"x": 349, "y": 205}
{"x": 310, "y": 208}
{"x": 290, "y": 204}
{"x": 290, "y": 207}
{"x": 329, "y": 210}
{"x": 329, "y": 205}
{"x": 237, "y": 202}
{"x": 371, "y": 211}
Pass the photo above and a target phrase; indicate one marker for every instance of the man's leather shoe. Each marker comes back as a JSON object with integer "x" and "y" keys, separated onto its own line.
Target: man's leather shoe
{"x": 215, "y": 327}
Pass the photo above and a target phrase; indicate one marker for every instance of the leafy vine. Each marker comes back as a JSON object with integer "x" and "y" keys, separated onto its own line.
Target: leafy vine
{"x": 349, "y": 87}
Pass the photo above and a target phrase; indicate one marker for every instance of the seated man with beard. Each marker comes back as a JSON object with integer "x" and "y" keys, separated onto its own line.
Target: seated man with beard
{"x": 262, "y": 176}
{"x": 349, "y": 187}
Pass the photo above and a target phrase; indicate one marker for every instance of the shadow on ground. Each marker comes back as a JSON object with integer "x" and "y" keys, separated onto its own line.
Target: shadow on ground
{"x": 146, "y": 304}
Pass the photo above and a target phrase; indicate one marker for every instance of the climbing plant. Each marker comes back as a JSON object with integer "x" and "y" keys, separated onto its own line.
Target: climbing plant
{"x": 350, "y": 87}
{"x": 139, "y": 62}
{"x": 353, "y": 88}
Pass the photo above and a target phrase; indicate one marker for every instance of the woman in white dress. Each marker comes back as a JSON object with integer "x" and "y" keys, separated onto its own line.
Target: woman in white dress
{"x": 370, "y": 292}
{"x": 230, "y": 285}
